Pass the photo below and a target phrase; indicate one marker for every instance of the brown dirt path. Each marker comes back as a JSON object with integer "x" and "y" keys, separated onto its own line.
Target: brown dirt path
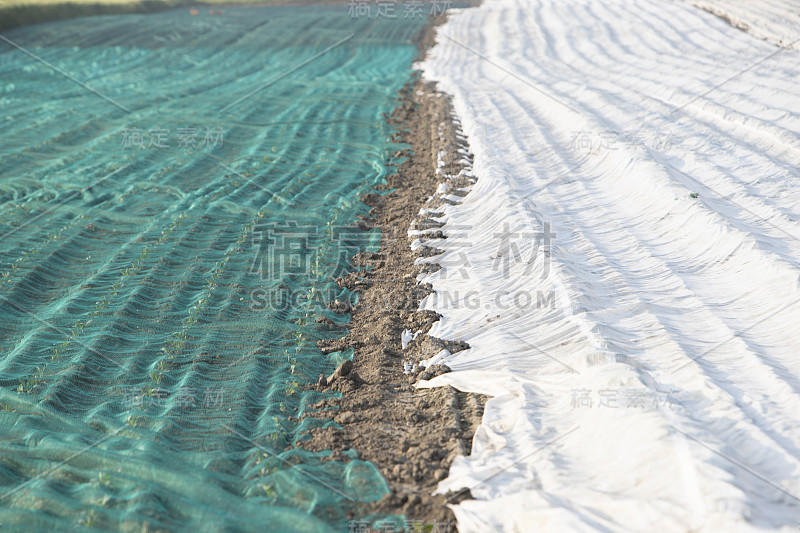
{"x": 411, "y": 435}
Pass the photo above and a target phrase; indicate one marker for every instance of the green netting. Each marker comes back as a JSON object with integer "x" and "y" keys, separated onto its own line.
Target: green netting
{"x": 161, "y": 269}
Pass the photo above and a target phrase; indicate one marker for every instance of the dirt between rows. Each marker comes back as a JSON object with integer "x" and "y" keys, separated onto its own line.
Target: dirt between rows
{"x": 411, "y": 435}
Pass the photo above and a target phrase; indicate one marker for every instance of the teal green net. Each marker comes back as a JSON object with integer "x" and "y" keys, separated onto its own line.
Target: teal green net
{"x": 165, "y": 248}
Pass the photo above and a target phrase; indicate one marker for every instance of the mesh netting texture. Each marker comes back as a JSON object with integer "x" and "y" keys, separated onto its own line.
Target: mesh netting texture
{"x": 165, "y": 251}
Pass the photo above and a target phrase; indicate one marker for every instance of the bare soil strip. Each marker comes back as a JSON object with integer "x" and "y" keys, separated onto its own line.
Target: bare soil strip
{"x": 411, "y": 435}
